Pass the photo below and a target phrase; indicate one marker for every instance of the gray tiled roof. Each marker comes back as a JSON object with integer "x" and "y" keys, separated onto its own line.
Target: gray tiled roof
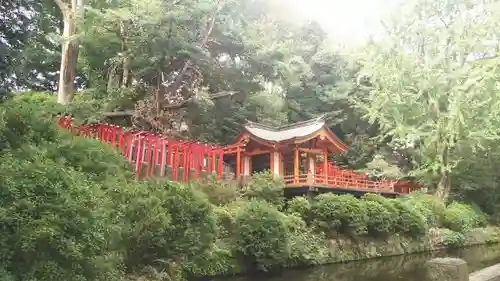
{"x": 282, "y": 133}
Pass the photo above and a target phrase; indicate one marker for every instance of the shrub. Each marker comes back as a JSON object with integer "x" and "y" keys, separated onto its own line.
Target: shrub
{"x": 299, "y": 206}
{"x": 452, "y": 239}
{"x": 55, "y": 224}
{"x": 387, "y": 203}
{"x": 343, "y": 213}
{"x": 428, "y": 206}
{"x": 226, "y": 218}
{"x": 265, "y": 186}
{"x": 218, "y": 193}
{"x": 23, "y": 123}
{"x": 219, "y": 260}
{"x": 306, "y": 246}
{"x": 380, "y": 219}
{"x": 409, "y": 221}
{"x": 168, "y": 221}
{"x": 43, "y": 102}
{"x": 262, "y": 237}
{"x": 461, "y": 217}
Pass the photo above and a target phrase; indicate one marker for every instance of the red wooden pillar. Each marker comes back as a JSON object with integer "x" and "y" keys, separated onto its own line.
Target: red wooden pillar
{"x": 139, "y": 156}
{"x": 214, "y": 161}
{"x": 220, "y": 167}
{"x": 187, "y": 161}
{"x": 154, "y": 160}
{"x": 296, "y": 166}
{"x": 175, "y": 162}
{"x": 163, "y": 156}
{"x": 238, "y": 162}
{"x": 170, "y": 152}
{"x": 325, "y": 166}
{"x": 121, "y": 138}
{"x": 271, "y": 162}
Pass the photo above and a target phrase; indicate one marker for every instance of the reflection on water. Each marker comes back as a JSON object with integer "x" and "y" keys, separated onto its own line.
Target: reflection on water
{"x": 407, "y": 268}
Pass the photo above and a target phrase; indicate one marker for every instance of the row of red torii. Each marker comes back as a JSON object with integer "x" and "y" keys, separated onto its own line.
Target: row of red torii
{"x": 152, "y": 154}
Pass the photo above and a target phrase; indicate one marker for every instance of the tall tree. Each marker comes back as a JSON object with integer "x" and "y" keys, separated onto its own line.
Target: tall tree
{"x": 427, "y": 91}
{"x": 71, "y": 11}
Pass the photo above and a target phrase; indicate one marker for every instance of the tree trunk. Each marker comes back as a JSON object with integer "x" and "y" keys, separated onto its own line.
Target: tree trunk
{"x": 126, "y": 59}
{"x": 444, "y": 186}
{"x": 69, "y": 58}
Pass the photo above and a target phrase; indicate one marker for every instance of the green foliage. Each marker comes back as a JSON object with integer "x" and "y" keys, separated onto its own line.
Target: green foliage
{"x": 387, "y": 203}
{"x": 306, "y": 246}
{"x": 219, "y": 260}
{"x": 342, "y": 213}
{"x": 55, "y": 223}
{"x": 409, "y": 86}
{"x": 99, "y": 162}
{"x": 380, "y": 220}
{"x": 226, "y": 218}
{"x": 299, "y": 206}
{"x": 452, "y": 239}
{"x": 167, "y": 221}
{"x": 461, "y": 217}
{"x": 409, "y": 221}
{"x": 265, "y": 186}
{"x": 218, "y": 193}
{"x": 262, "y": 237}
{"x": 428, "y": 206}
{"x": 22, "y": 122}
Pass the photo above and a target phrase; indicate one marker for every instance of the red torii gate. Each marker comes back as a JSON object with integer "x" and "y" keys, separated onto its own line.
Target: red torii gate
{"x": 152, "y": 154}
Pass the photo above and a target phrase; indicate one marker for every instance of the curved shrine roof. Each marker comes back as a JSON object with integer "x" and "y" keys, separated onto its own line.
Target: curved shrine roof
{"x": 286, "y": 132}
{"x": 293, "y": 132}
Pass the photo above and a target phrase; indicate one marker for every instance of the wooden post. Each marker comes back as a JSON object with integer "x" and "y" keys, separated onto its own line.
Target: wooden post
{"x": 163, "y": 160}
{"x": 311, "y": 168}
{"x": 325, "y": 166}
{"x": 296, "y": 166}
{"x": 238, "y": 162}
{"x": 220, "y": 167}
{"x": 271, "y": 162}
{"x": 213, "y": 168}
{"x": 139, "y": 157}
{"x": 247, "y": 160}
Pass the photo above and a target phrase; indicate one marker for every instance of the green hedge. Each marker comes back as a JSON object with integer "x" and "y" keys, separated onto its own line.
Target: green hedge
{"x": 461, "y": 217}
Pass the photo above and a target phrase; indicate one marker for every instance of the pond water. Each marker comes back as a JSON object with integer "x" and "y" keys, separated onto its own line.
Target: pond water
{"x": 407, "y": 268}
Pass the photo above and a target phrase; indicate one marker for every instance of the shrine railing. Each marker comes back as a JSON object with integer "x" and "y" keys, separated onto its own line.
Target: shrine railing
{"x": 345, "y": 181}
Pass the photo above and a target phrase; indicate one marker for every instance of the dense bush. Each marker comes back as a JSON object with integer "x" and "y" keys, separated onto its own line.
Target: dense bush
{"x": 343, "y": 213}
{"x": 265, "y": 186}
{"x": 299, "y": 206}
{"x": 218, "y": 260}
{"x": 55, "y": 224}
{"x": 306, "y": 246}
{"x": 462, "y": 218}
{"x": 427, "y": 205}
{"x": 409, "y": 221}
{"x": 380, "y": 220}
{"x": 218, "y": 193}
{"x": 452, "y": 238}
{"x": 24, "y": 124}
{"x": 262, "y": 237}
{"x": 166, "y": 221}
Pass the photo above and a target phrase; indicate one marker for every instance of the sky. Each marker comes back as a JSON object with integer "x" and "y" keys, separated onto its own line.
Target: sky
{"x": 347, "y": 21}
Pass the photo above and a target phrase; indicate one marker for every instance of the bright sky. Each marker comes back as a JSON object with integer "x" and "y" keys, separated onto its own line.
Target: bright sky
{"x": 348, "y": 21}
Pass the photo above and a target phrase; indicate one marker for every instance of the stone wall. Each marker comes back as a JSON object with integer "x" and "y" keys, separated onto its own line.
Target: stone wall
{"x": 344, "y": 249}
